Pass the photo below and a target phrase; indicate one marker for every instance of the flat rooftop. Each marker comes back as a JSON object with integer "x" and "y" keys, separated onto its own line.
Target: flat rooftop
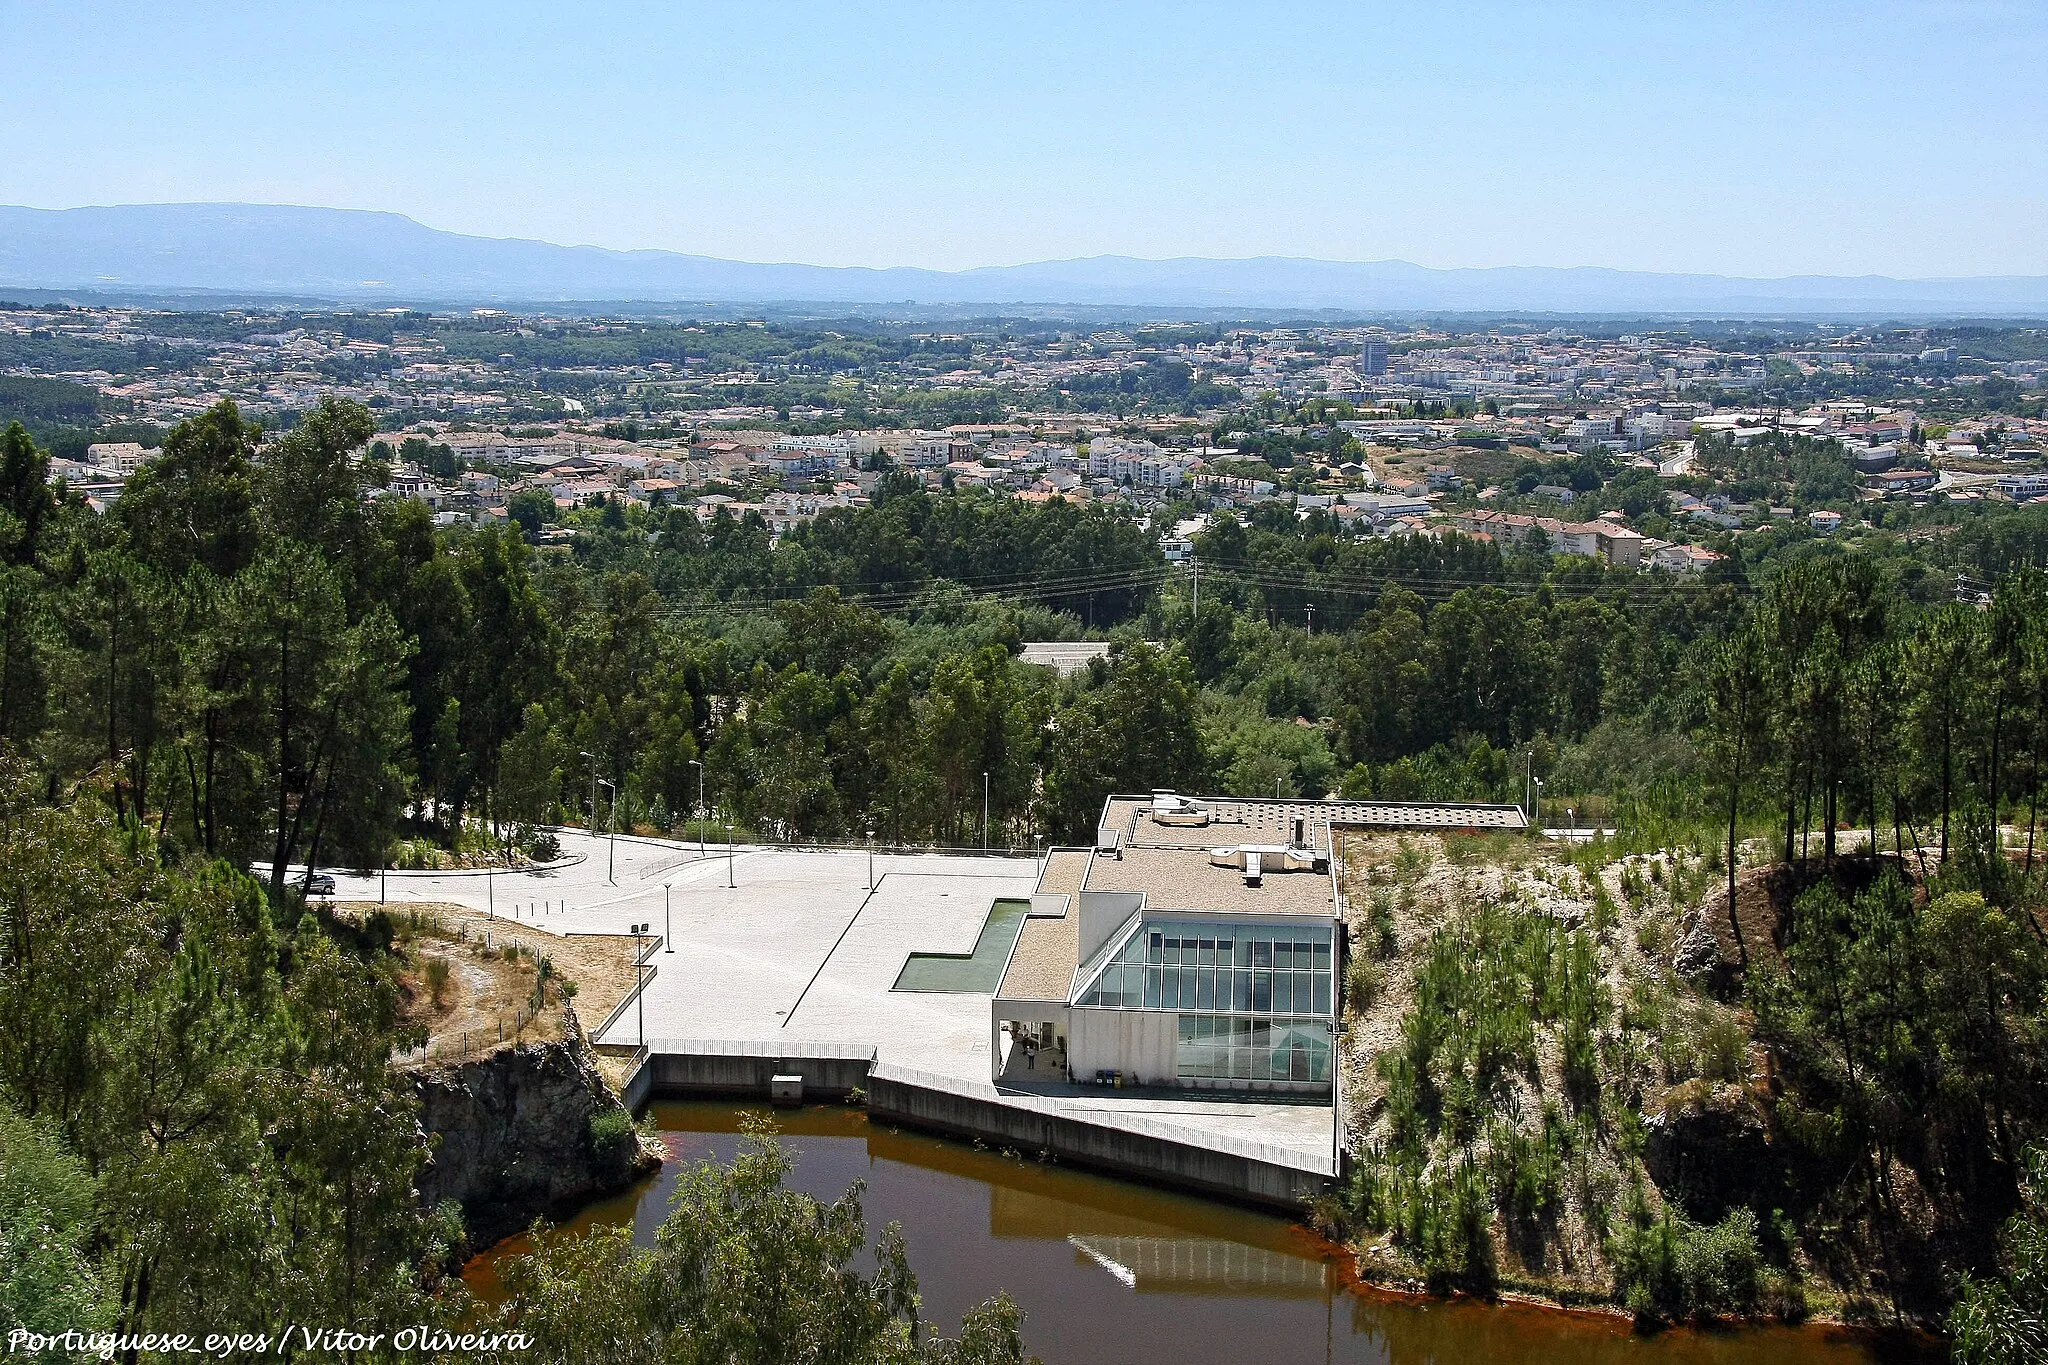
{"x": 1065, "y": 657}
{"x": 1258, "y": 820}
{"x": 1180, "y": 878}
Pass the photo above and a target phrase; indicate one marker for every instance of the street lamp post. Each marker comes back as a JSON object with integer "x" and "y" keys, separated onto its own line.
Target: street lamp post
{"x": 668, "y": 938}
{"x": 640, "y": 981}
{"x": 871, "y": 860}
{"x": 984, "y": 810}
{"x": 611, "y": 854}
{"x": 729, "y": 882}
{"x": 700, "y": 806}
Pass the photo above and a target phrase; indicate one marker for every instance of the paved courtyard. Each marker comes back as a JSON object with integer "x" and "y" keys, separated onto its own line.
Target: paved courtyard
{"x": 800, "y": 951}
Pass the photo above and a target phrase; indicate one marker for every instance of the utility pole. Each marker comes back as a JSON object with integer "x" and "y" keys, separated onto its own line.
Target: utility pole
{"x": 1311, "y": 618}
{"x": 1196, "y": 561}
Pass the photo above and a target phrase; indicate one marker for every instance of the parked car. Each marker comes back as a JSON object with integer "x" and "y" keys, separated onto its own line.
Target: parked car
{"x": 319, "y": 884}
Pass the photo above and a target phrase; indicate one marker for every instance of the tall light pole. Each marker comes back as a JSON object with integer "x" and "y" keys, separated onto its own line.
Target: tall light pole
{"x": 640, "y": 981}
{"x": 668, "y": 938}
{"x": 611, "y": 854}
{"x": 729, "y": 882}
{"x": 871, "y": 860}
{"x": 984, "y": 810}
{"x": 700, "y": 806}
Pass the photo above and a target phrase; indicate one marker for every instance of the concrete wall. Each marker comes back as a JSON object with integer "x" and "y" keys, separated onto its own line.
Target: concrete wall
{"x": 1102, "y": 914}
{"x": 1139, "y": 1043}
{"x": 1161, "y": 1160}
{"x": 747, "y": 1071}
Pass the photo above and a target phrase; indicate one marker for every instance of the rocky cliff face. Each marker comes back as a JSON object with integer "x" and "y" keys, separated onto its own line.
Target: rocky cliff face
{"x": 514, "y": 1135}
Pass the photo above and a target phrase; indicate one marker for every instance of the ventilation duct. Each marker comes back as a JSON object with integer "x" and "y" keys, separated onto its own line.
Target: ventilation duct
{"x": 1254, "y": 859}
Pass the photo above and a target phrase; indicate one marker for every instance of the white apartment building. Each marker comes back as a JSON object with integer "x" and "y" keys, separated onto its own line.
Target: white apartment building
{"x": 120, "y": 458}
{"x": 1139, "y": 463}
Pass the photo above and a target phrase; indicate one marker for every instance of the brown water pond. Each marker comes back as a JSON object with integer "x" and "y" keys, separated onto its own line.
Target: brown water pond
{"x": 1109, "y": 1271}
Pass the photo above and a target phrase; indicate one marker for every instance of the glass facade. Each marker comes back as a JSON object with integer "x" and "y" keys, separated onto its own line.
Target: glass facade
{"x": 1232, "y": 1047}
{"x": 1254, "y": 1000}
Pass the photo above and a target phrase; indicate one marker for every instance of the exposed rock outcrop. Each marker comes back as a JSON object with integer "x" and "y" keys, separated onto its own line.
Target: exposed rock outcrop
{"x": 522, "y": 1132}
{"x": 1709, "y": 1151}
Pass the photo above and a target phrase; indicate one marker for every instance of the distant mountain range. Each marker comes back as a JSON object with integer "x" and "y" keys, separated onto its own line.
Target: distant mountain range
{"x": 351, "y": 255}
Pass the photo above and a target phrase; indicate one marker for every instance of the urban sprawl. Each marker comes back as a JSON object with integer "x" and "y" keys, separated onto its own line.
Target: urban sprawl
{"x": 1628, "y": 447}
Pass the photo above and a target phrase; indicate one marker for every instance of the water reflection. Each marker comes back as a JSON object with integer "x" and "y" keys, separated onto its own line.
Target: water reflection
{"x": 1109, "y": 1271}
{"x": 1203, "y": 1265}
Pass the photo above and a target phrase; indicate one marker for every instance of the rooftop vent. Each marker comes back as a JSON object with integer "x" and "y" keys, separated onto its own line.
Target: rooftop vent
{"x": 1253, "y": 859}
{"x": 1169, "y": 808}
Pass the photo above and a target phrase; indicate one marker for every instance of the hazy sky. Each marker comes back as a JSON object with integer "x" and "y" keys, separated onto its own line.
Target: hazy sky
{"x": 1741, "y": 138}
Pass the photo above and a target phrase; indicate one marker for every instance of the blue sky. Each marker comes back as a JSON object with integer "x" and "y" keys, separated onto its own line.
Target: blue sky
{"x": 1732, "y": 137}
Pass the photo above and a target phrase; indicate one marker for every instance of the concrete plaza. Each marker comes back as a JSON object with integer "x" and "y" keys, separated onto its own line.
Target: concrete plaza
{"x": 801, "y": 953}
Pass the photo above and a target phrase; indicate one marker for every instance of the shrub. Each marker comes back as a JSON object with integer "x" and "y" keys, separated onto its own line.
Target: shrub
{"x": 1724, "y": 1050}
{"x": 1363, "y": 984}
{"x": 1380, "y": 923}
{"x": 436, "y": 973}
{"x": 611, "y": 1135}
{"x": 1669, "y": 1267}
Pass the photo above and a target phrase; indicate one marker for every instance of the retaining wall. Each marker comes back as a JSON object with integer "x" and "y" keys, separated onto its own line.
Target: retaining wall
{"x": 1244, "y": 1171}
{"x": 712, "y": 1068}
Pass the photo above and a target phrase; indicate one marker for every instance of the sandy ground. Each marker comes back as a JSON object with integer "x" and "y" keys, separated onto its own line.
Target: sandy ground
{"x": 487, "y": 993}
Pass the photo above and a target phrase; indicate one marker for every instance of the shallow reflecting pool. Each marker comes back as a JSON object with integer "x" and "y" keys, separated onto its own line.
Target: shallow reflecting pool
{"x": 1109, "y": 1271}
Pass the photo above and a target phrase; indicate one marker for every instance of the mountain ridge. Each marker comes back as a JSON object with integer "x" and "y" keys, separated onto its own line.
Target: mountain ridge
{"x": 364, "y": 255}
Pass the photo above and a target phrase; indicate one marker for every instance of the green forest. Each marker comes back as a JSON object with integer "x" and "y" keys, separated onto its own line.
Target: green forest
{"x": 249, "y": 663}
